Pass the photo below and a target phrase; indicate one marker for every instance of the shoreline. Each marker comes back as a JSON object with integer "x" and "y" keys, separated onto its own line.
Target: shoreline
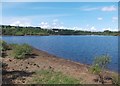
{"x": 40, "y": 60}
{"x": 57, "y": 57}
{"x": 60, "y": 35}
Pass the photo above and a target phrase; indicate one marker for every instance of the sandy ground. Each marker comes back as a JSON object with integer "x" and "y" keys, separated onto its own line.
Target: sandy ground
{"x": 21, "y": 71}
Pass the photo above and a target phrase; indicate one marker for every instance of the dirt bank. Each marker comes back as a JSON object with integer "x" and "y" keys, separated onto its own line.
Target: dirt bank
{"x": 21, "y": 71}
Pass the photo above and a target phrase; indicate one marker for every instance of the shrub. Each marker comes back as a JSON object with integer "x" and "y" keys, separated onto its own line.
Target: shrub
{"x": 99, "y": 65}
{"x": 102, "y": 61}
{"x": 95, "y": 69}
{"x": 20, "y": 51}
{"x": 12, "y": 46}
{"x": 3, "y": 45}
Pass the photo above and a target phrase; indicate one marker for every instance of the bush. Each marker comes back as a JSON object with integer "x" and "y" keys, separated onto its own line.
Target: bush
{"x": 3, "y": 45}
{"x": 12, "y": 46}
{"x": 95, "y": 69}
{"x": 102, "y": 61}
{"x": 99, "y": 65}
{"x": 20, "y": 51}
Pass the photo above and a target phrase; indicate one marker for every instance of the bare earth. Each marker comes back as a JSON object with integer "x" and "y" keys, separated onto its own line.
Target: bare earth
{"x": 23, "y": 70}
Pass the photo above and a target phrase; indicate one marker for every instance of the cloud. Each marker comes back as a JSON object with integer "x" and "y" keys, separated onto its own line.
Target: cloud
{"x": 109, "y": 8}
{"x": 57, "y": 24}
{"x": 105, "y": 8}
{"x": 19, "y": 23}
{"x": 44, "y": 25}
{"x": 114, "y": 19}
{"x": 16, "y": 21}
{"x": 90, "y": 9}
{"x": 93, "y": 28}
{"x": 55, "y": 20}
{"x": 100, "y": 18}
{"x": 110, "y": 29}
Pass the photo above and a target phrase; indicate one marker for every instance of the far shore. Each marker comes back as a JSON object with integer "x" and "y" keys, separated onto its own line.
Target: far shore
{"x": 60, "y": 35}
{"x": 43, "y": 60}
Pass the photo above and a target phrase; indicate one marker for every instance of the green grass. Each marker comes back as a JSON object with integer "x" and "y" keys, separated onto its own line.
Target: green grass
{"x": 50, "y": 77}
{"x": 116, "y": 79}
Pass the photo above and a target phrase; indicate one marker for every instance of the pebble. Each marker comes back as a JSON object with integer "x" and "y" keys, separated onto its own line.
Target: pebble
{"x": 26, "y": 67}
{"x": 10, "y": 60}
{"x": 38, "y": 66}
{"x": 34, "y": 64}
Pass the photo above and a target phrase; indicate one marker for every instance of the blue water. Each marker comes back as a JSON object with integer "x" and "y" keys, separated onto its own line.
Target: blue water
{"x": 81, "y": 49}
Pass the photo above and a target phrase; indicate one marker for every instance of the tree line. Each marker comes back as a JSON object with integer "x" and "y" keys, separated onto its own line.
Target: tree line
{"x": 21, "y": 31}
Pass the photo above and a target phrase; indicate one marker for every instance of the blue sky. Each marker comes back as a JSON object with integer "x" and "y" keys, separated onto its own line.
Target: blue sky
{"x": 92, "y": 16}
{"x": 60, "y": 0}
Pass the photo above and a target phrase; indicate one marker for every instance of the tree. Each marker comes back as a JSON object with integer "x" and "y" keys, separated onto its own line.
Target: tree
{"x": 99, "y": 65}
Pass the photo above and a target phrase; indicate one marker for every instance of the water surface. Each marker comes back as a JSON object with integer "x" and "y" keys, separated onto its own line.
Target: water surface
{"x": 81, "y": 49}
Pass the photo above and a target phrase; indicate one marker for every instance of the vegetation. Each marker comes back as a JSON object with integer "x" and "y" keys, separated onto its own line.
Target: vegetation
{"x": 21, "y": 31}
{"x": 116, "y": 79}
{"x": 51, "y": 77}
{"x": 3, "y": 48}
{"x": 3, "y": 45}
{"x": 20, "y": 51}
{"x": 99, "y": 65}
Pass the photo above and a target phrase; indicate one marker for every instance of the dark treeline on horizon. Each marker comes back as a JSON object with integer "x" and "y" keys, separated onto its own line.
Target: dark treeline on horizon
{"x": 21, "y": 31}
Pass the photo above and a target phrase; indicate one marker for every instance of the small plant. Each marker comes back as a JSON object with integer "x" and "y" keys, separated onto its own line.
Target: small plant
{"x": 116, "y": 79}
{"x": 20, "y": 51}
{"x": 12, "y": 46}
{"x": 99, "y": 65}
{"x": 3, "y": 48}
{"x": 3, "y": 45}
{"x": 95, "y": 69}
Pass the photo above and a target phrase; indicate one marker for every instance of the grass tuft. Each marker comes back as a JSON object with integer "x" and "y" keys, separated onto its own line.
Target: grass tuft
{"x": 51, "y": 77}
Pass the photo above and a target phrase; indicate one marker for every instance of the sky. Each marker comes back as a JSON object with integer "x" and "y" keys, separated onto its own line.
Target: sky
{"x": 60, "y": 0}
{"x": 90, "y": 16}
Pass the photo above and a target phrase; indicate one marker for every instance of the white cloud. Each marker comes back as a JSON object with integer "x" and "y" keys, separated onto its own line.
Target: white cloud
{"x": 16, "y": 21}
{"x": 62, "y": 27}
{"x": 110, "y": 29}
{"x": 44, "y": 25}
{"x": 55, "y": 20}
{"x": 100, "y": 18}
{"x": 53, "y": 23}
{"x": 93, "y": 28}
{"x": 109, "y": 8}
{"x": 90, "y": 9}
{"x": 114, "y": 19}
{"x": 105, "y": 8}
{"x": 19, "y": 23}
{"x": 57, "y": 24}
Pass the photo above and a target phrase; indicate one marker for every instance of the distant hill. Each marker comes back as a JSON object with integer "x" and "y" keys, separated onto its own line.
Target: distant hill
{"x": 21, "y": 31}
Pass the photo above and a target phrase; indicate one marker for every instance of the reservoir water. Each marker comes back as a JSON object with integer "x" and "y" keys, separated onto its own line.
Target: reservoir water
{"x": 81, "y": 49}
